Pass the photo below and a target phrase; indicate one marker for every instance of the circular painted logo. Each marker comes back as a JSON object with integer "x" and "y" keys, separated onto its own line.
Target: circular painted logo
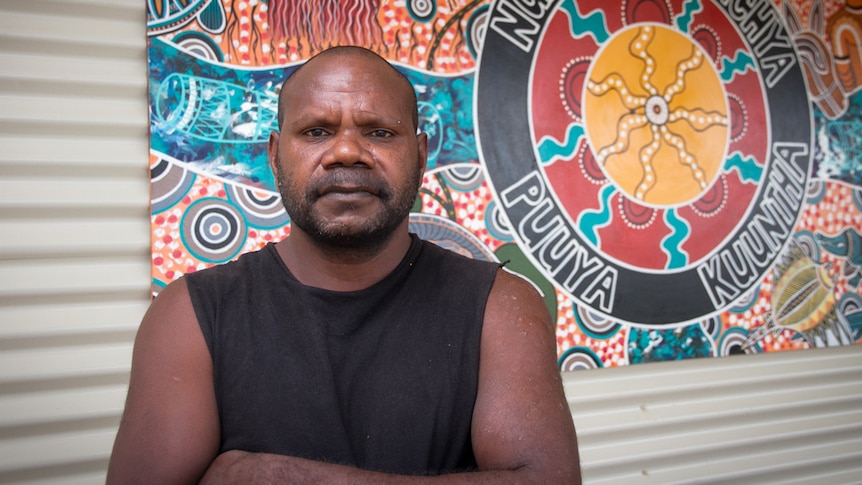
{"x": 651, "y": 158}
{"x": 662, "y": 141}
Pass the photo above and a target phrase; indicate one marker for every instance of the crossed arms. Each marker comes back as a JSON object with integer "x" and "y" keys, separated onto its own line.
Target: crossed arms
{"x": 522, "y": 429}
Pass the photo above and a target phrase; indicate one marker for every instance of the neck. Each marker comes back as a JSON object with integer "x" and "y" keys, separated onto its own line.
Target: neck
{"x": 342, "y": 269}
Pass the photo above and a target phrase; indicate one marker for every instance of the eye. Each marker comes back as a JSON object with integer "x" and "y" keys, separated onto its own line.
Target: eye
{"x": 381, "y": 133}
{"x": 315, "y": 132}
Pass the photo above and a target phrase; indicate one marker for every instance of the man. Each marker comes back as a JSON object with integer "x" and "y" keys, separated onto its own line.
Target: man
{"x": 351, "y": 351}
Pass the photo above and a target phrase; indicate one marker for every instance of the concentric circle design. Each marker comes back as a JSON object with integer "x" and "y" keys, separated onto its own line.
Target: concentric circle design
{"x": 213, "y": 230}
{"x": 260, "y": 209}
{"x": 636, "y": 216}
{"x": 712, "y": 201}
{"x": 746, "y": 302}
{"x": 738, "y": 117}
{"x": 422, "y": 10}
{"x": 708, "y": 39}
{"x": 817, "y": 191}
{"x": 464, "y": 178}
{"x": 663, "y": 159}
{"x": 807, "y": 242}
{"x": 166, "y": 16}
{"x": 590, "y": 168}
{"x": 474, "y": 32}
{"x": 735, "y": 342}
{"x": 169, "y": 183}
{"x": 199, "y": 45}
{"x": 579, "y": 358}
{"x": 712, "y": 326}
{"x": 449, "y": 235}
{"x": 857, "y": 199}
{"x": 850, "y": 304}
{"x": 572, "y": 81}
{"x": 496, "y": 223}
{"x": 595, "y": 325}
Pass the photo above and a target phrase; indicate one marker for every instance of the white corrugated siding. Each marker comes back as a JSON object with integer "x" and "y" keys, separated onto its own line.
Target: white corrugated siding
{"x": 74, "y": 283}
{"x": 74, "y": 237}
{"x": 792, "y": 417}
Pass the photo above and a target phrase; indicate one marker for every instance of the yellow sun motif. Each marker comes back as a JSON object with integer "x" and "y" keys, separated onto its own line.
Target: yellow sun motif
{"x": 656, "y": 115}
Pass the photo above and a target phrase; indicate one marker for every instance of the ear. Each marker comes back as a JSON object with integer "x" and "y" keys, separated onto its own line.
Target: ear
{"x": 272, "y": 154}
{"x": 422, "y": 141}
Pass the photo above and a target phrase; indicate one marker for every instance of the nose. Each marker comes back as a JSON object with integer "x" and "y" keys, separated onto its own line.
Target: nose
{"x": 347, "y": 149}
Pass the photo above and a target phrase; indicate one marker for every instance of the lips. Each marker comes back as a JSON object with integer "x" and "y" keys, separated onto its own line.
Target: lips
{"x": 347, "y": 190}
{"x": 344, "y": 184}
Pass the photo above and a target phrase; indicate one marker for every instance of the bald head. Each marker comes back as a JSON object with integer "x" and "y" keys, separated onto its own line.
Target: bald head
{"x": 331, "y": 56}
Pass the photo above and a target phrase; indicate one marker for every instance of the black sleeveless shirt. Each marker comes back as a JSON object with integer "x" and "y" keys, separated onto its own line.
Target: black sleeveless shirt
{"x": 383, "y": 378}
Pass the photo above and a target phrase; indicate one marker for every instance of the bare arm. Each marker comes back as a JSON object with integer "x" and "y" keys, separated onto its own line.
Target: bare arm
{"x": 522, "y": 429}
{"x": 522, "y": 420}
{"x": 170, "y": 430}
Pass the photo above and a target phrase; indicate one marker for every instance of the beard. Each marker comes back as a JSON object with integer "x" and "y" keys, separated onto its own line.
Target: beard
{"x": 372, "y": 234}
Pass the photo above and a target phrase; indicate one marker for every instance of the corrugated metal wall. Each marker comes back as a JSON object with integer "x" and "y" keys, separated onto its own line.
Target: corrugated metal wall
{"x": 793, "y": 417}
{"x": 74, "y": 237}
{"x": 74, "y": 283}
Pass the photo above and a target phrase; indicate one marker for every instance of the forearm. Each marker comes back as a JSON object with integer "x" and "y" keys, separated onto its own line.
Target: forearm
{"x": 235, "y": 467}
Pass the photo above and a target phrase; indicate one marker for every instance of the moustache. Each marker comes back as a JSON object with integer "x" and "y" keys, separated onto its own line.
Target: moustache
{"x": 342, "y": 180}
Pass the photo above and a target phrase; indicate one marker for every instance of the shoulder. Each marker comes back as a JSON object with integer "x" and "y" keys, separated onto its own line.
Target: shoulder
{"x": 514, "y": 295}
{"x": 169, "y": 312}
{"x": 517, "y": 322}
{"x": 226, "y": 277}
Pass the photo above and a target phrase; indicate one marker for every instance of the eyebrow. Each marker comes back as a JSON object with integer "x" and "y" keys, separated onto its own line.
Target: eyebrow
{"x": 361, "y": 118}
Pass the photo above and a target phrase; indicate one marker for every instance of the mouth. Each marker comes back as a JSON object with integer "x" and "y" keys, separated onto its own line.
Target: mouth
{"x": 344, "y": 183}
{"x": 347, "y": 186}
{"x": 347, "y": 191}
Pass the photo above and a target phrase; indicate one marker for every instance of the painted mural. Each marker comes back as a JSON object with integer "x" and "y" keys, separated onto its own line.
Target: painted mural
{"x": 679, "y": 178}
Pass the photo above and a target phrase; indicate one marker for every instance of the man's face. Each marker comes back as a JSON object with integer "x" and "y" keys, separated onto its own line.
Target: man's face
{"x": 348, "y": 160}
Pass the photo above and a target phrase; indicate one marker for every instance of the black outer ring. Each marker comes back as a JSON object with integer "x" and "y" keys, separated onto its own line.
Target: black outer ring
{"x": 507, "y": 152}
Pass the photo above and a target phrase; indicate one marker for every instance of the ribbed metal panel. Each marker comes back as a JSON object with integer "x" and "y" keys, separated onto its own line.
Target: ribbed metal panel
{"x": 74, "y": 283}
{"x": 793, "y": 417}
{"x": 74, "y": 236}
